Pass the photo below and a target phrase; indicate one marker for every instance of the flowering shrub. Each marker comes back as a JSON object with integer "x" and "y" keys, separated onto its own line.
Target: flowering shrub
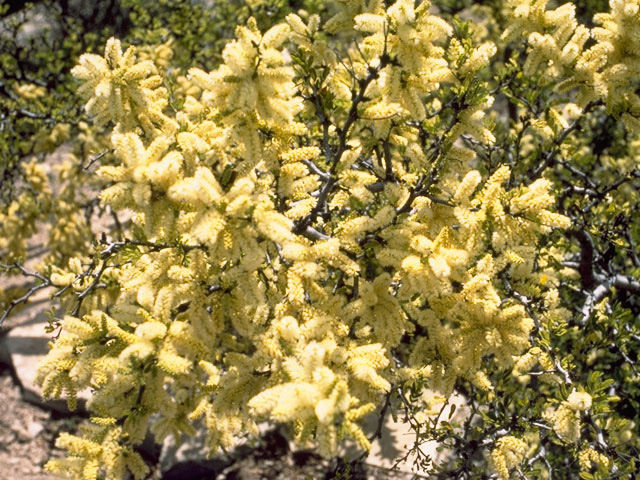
{"x": 363, "y": 208}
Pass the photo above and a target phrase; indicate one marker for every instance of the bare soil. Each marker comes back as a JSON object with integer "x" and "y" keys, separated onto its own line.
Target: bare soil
{"x": 27, "y": 433}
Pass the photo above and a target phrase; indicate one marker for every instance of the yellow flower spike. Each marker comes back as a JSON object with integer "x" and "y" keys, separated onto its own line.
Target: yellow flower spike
{"x": 508, "y": 453}
{"x": 113, "y": 84}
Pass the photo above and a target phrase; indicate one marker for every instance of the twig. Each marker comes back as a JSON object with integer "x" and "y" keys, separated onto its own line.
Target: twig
{"x": 25, "y": 298}
{"x": 95, "y": 159}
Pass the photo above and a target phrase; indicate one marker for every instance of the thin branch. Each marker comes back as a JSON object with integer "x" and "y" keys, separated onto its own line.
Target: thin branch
{"x": 24, "y": 298}
{"x": 549, "y": 157}
{"x": 333, "y": 159}
{"x": 95, "y": 159}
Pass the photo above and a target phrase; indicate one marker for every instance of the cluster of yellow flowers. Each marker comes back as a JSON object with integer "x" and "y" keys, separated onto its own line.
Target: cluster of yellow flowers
{"x": 509, "y": 452}
{"x": 290, "y": 260}
{"x": 590, "y": 457}
{"x": 19, "y": 220}
{"x": 603, "y": 71}
{"x": 566, "y": 418}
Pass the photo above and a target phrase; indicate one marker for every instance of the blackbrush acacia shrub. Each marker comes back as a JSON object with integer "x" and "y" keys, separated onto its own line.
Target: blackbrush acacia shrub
{"x": 361, "y": 209}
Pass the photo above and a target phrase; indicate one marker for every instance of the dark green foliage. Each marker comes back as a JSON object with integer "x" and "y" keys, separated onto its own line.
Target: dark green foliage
{"x": 200, "y": 31}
